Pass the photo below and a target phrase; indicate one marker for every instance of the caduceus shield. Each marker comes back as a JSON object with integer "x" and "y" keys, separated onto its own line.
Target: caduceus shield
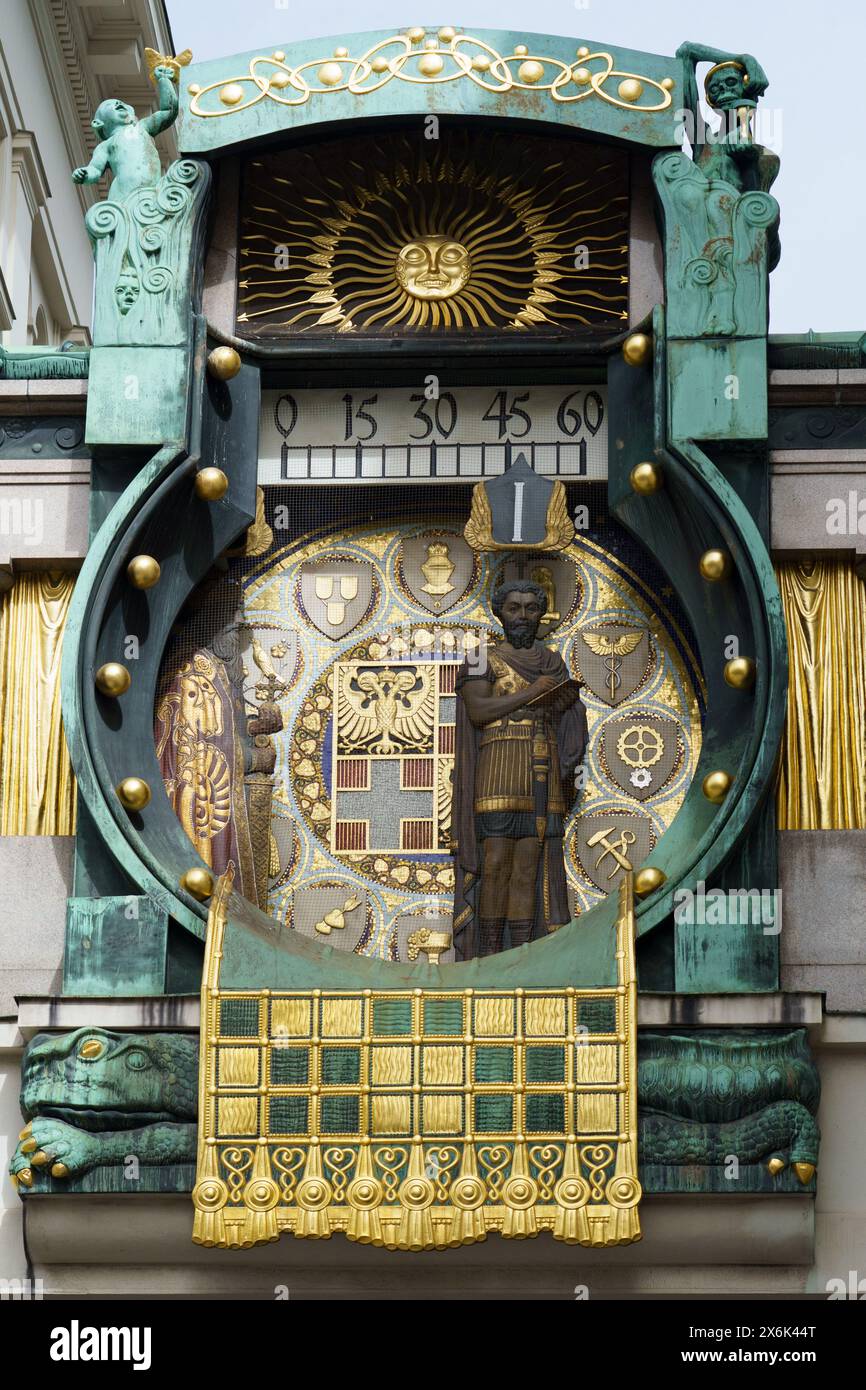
{"x": 613, "y": 659}
{"x": 335, "y": 594}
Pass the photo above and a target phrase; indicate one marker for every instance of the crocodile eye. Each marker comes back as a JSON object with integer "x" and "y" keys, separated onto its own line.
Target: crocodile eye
{"x": 136, "y": 1060}
{"x": 90, "y": 1049}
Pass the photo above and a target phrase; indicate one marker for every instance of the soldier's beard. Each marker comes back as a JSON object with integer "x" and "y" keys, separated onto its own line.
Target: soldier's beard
{"x": 520, "y": 634}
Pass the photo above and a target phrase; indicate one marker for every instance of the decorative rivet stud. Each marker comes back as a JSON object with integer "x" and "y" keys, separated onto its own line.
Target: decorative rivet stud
{"x": 279, "y": 80}
{"x": 668, "y": 83}
{"x": 279, "y": 56}
{"x": 430, "y": 64}
{"x": 647, "y": 880}
{"x": 198, "y": 882}
{"x": 520, "y": 50}
{"x": 630, "y": 89}
{"x": 113, "y": 679}
{"x": 223, "y": 363}
{"x": 716, "y": 785}
{"x": 481, "y": 62}
{"x": 446, "y": 33}
{"x": 211, "y": 484}
{"x": 134, "y": 793}
{"x": 646, "y": 478}
{"x": 416, "y": 33}
{"x": 330, "y": 74}
{"x": 194, "y": 88}
{"x": 740, "y": 672}
{"x": 379, "y": 64}
{"x": 637, "y": 349}
{"x": 582, "y": 76}
{"x": 341, "y": 52}
{"x": 530, "y": 71}
{"x": 231, "y": 94}
{"x": 583, "y": 51}
{"x": 143, "y": 571}
{"x": 715, "y": 565}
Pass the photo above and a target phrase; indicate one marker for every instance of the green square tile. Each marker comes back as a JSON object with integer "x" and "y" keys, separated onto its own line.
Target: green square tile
{"x": 288, "y": 1114}
{"x": 290, "y": 1066}
{"x": 597, "y": 1015}
{"x": 392, "y": 1017}
{"x": 494, "y": 1114}
{"x": 239, "y": 1018}
{"x": 339, "y": 1114}
{"x": 443, "y": 1016}
{"x": 494, "y": 1064}
{"x": 545, "y": 1064}
{"x": 341, "y": 1066}
{"x": 545, "y": 1114}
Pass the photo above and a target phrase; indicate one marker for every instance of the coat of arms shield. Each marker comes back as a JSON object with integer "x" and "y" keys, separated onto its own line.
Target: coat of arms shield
{"x": 335, "y": 594}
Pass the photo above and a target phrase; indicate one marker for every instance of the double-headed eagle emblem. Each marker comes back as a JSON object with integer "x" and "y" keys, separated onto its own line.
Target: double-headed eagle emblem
{"x": 386, "y": 711}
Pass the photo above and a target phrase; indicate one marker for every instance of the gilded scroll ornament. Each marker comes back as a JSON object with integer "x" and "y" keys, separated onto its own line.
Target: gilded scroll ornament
{"x": 459, "y": 57}
{"x": 392, "y": 1117}
{"x": 37, "y": 789}
{"x": 822, "y": 780}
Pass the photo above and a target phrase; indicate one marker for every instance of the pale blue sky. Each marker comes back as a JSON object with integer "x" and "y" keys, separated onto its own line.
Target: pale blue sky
{"x": 813, "y": 55}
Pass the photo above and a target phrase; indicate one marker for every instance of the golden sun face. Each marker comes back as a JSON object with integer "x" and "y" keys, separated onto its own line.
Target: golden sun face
{"x": 434, "y": 267}
{"x": 478, "y": 232}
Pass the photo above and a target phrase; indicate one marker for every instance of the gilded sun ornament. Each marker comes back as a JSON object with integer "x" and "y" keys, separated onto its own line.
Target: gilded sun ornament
{"x": 470, "y": 232}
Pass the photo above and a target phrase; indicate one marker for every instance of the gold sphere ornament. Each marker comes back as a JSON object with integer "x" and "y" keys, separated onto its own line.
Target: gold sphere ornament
{"x": 330, "y": 74}
{"x": 716, "y": 786}
{"x": 668, "y": 83}
{"x": 231, "y": 94}
{"x": 341, "y": 52}
{"x": 530, "y": 71}
{"x": 637, "y": 349}
{"x": 198, "y": 883}
{"x": 481, "y": 62}
{"x": 647, "y": 880}
{"x": 446, "y": 33}
{"x": 134, "y": 793}
{"x": 583, "y": 51}
{"x": 194, "y": 88}
{"x": 715, "y": 565}
{"x": 113, "y": 679}
{"x": 582, "y": 76}
{"x": 211, "y": 484}
{"x": 279, "y": 80}
{"x": 646, "y": 478}
{"x": 431, "y": 64}
{"x": 520, "y": 50}
{"x": 630, "y": 89}
{"x": 379, "y": 64}
{"x": 740, "y": 672}
{"x": 416, "y": 33}
{"x": 279, "y": 56}
{"x": 143, "y": 571}
{"x": 223, "y": 363}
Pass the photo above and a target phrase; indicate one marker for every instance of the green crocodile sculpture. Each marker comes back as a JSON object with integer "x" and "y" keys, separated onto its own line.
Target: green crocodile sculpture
{"x": 94, "y": 1098}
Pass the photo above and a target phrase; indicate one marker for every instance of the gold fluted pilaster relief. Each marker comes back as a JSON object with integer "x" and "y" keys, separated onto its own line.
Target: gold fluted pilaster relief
{"x": 822, "y": 781}
{"x": 37, "y": 788}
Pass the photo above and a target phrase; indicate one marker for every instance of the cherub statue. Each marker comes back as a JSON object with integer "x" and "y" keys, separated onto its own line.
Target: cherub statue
{"x": 127, "y": 147}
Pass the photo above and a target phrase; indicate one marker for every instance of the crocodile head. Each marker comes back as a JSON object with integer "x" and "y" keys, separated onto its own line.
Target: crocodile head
{"x": 98, "y": 1080}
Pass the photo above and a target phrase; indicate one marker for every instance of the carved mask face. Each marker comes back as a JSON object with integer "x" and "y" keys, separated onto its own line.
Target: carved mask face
{"x": 126, "y": 291}
{"x": 726, "y": 89}
{"x": 434, "y": 267}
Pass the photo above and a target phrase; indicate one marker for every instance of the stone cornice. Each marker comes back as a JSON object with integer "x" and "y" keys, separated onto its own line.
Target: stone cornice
{"x": 27, "y": 165}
